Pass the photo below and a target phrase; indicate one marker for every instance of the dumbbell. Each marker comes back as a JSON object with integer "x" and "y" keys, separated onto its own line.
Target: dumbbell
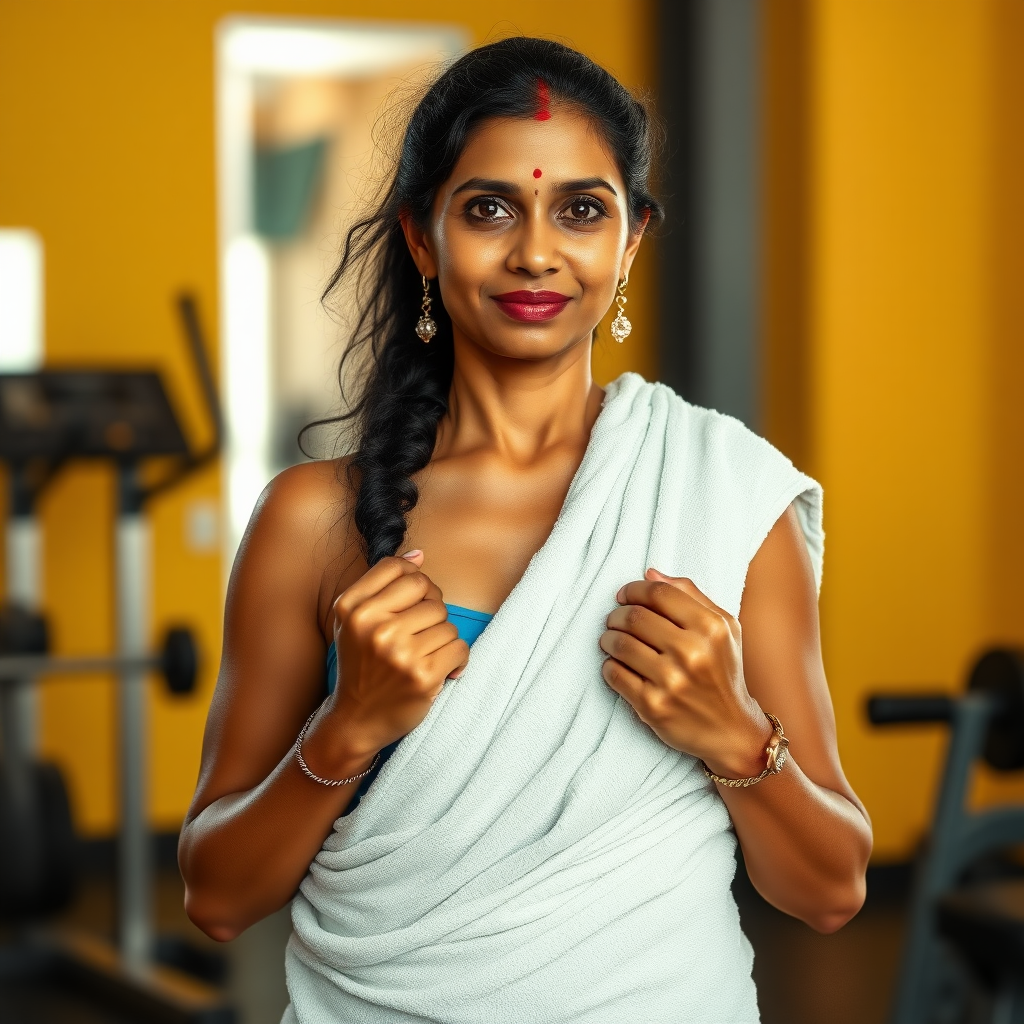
{"x": 999, "y": 677}
{"x": 177, "y": 661}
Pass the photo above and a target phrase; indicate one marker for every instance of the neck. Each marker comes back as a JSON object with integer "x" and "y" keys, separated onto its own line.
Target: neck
{"x": 519, "y": 408}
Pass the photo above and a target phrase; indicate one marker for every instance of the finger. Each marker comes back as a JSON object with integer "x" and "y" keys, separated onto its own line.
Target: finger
{"x": 674, "y": 604}
{"x": 431, "y": 640}
{"x": 394, "y": 631}
{"x": 451, "y": 660}
{"x": 651, "y": 628}
{"x": 374, "y": 580}
{"x": 687, "y": 586}
{"x": 624, "y": 681}
{"x": 643, "y": 660}
{"x": 402, "y": 593}
{"x": 421, "y": 616}
{"x": 378, "y": 610}
{"x": 417, "y": 557}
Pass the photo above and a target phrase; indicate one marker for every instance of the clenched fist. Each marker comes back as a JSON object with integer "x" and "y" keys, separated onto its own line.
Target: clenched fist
{"x": 677, "y": 658}
{"x": 396, "y": 648}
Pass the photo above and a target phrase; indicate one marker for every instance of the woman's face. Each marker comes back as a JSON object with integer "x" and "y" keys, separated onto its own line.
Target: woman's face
{"x": 530, "y": 236}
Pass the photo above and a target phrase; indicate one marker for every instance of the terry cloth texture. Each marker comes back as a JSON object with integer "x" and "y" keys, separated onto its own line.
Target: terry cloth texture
{"x": 532, "y": 852}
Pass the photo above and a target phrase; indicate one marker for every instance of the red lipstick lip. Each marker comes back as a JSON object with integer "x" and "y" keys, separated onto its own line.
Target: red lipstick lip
{"x": 531, "y": 298}
{"x": 529, "y": 306}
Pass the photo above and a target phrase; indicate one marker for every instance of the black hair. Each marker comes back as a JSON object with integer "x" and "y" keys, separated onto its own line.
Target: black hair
{"x": 405, "y": 383}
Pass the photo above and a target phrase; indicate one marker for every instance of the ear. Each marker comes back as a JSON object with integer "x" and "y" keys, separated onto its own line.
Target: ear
{"x": 633, "y": 245}
{"x": 419, "y": 246}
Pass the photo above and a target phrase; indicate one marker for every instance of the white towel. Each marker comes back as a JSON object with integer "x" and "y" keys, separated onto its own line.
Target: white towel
{"x": 532, "y": 852}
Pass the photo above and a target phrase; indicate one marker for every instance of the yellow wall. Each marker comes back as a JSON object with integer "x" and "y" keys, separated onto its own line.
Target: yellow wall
{"x": 893, "y": 324}
{"x": 903, "y": 128}
{"x": 107, "y": 121}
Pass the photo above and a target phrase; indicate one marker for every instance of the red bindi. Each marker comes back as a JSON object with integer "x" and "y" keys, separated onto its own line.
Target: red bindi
{"x": 536, "y": 172}
{"x": 543, "y": 102}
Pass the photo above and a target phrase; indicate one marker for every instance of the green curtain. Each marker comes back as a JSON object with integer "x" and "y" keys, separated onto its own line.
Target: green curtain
{"x": 286, "y": 183}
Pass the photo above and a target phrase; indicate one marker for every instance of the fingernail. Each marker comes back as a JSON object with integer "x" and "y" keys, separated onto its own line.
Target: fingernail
{"x": 621, "y": 595}
{"x": 413, "y": 553}
{"x": 657, "y": 572}
{"x": 458, "y": 672}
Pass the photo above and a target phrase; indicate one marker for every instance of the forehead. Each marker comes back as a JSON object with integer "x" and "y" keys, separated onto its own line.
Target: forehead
{"x": 565, "y": 147}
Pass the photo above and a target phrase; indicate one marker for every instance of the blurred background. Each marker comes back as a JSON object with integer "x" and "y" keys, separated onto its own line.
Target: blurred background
{"x": 841, "y": 268}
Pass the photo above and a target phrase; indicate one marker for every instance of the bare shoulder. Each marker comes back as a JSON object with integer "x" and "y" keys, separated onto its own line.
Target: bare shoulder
{"x": 301, "y": 530}
{"x": 781, "y": 570}
{"x": 779, "y": 610}
{"x": 303, "y": 500}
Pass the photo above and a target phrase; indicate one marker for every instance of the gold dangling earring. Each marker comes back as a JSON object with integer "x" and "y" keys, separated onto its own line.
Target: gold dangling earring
{"x": 426, "y": 327}
{"x": 621, "y": 325}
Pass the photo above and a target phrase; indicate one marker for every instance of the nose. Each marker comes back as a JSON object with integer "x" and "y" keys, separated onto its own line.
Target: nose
{"x": 534, "y": 248}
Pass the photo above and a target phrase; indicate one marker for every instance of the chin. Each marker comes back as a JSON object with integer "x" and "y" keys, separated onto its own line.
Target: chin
{"x": 532, "y": 341}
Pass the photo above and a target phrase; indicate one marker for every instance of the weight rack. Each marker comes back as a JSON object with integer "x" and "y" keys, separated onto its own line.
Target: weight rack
{"x": 123, "y": 417}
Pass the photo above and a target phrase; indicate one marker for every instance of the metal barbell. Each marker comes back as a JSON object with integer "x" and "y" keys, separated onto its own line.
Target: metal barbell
{"x": 177, "y": 661}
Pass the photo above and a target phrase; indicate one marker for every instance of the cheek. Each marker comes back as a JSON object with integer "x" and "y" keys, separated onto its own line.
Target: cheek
{"x": 600, "y": 249}
{"x": 595, "y": 263}
{"x": 467, "y": 260}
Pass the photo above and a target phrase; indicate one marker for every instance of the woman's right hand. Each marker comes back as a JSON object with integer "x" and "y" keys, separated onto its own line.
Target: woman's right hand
{"x": 396, "y": 648}
{"x": 257, "y": 821}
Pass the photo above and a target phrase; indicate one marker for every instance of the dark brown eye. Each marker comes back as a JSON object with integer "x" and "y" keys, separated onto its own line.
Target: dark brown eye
{"x": 488, "y": 209}
{"x": 584, "y": 211}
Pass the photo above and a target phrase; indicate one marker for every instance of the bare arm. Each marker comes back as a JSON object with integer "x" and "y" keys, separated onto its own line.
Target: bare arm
{"x": 700, "y": 679}
{"x": 256, "y": 821}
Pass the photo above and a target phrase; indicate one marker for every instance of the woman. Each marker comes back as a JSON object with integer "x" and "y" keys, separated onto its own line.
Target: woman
{"x": 551, "y": 835}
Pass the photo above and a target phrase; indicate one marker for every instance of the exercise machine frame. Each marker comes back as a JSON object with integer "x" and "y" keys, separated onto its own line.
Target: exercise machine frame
{"x": 147, "y": 429}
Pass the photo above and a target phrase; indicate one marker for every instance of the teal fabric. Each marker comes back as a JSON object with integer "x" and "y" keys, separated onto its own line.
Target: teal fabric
{"x": 469, "y": 623}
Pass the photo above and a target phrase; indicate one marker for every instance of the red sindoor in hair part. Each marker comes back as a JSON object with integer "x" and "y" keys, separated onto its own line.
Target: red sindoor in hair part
{"x": 543, "y": 102}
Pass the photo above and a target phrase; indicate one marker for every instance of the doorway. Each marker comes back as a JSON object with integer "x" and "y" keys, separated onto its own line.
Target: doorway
{"x": 306, "y": 110}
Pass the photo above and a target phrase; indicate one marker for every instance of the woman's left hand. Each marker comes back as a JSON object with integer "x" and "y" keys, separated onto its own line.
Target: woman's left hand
{"x": 677, "y": 658}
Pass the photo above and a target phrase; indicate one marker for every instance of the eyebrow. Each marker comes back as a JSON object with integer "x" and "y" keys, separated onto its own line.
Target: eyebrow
{"x": 510, "y": 188}
{"x": 488, "y": 185}
{"x": 584, "y": 185}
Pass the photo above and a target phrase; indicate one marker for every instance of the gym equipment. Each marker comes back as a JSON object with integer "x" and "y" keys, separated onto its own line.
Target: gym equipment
{"x": 37, "y": 842}
{"x": 38, "y": 863}
{"x": 986, "y": 925}
{"x": 974, "y": 919}
{"x": 177, "y": 661}
{"x": 125, "y": 418}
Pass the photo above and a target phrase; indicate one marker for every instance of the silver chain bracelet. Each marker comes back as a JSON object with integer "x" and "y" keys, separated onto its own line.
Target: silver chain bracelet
{"x": 315, "y": 777}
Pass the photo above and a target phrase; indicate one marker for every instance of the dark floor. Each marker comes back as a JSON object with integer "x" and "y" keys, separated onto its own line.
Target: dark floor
{"x": 845, "y": 978}
{"x": 254, "y": 962}
{"x": 802, "y": 977}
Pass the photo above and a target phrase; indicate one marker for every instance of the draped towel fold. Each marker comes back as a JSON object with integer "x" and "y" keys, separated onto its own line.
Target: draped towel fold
{"x": 532, "y": 852}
